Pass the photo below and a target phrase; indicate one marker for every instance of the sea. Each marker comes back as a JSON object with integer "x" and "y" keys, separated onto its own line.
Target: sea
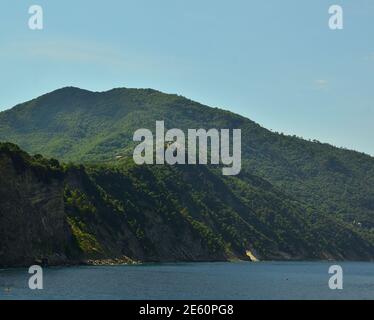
{"x": 193, "y": 281}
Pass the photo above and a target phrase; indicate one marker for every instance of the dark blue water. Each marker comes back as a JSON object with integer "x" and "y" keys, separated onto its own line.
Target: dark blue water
{"x": 265, "y": 280}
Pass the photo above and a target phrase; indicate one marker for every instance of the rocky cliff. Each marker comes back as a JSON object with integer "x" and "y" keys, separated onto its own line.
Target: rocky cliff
{"x": 62, "y": 214}
{"x": 33, "y": 222}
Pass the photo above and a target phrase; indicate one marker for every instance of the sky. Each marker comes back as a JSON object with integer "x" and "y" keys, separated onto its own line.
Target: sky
{"x": 275, "y": 62}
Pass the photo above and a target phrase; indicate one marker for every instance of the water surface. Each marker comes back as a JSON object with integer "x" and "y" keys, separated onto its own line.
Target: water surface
{"x": 264, "y": 280}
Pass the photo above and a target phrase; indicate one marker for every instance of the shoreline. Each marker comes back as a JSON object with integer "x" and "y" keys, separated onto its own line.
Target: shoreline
{"x": 129, "y": 262}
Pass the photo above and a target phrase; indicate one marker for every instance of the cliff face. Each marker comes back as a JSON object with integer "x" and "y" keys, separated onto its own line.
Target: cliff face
{"x": 32, "y": 219}
{"x": 60, "y": 214}
{"x": 55, "y": 216}
{"x": 113, "y": 218}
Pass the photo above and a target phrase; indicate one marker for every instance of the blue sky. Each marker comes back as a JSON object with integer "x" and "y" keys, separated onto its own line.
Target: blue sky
{"x": 276, "y": 62}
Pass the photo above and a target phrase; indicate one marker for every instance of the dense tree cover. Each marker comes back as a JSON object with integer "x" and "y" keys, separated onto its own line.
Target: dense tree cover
{"x": 147, "y": 212}
{"x": 76, "y": 125}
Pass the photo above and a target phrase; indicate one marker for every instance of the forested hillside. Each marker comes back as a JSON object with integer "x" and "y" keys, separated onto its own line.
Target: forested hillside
{"x": 71, "y": 214}
{"x": 294, "y": 199}
{"x": 77, "y": 125}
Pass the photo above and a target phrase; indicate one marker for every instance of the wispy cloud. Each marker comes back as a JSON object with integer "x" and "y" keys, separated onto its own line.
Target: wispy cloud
{"x": 68, "y": 51}
{"x": 370, "y": 57}
{"x": 321, "y": 83}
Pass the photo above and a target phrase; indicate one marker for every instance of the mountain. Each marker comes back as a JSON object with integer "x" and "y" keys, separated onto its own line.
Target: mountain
{"x": 297, "y": 198}
{"x": 77, "y": 125}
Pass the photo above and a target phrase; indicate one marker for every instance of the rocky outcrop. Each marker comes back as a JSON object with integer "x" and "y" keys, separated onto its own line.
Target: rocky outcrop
{"x": 41, "y": 222}
{"x": 66, "y": 214}
{"x": 33, "y": 226}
